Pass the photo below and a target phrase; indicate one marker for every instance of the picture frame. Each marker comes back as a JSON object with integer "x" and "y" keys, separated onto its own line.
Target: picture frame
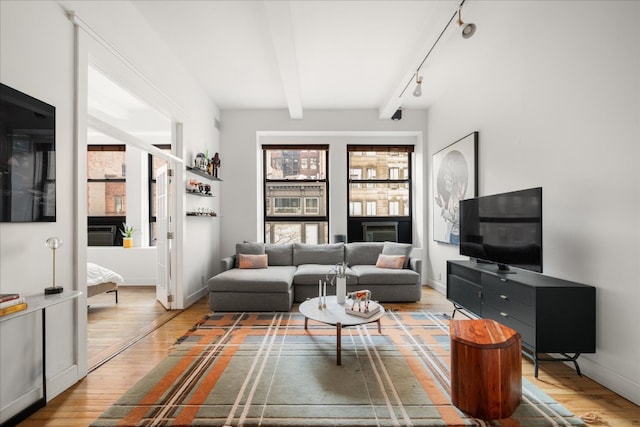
{"x": 454, "y": 178}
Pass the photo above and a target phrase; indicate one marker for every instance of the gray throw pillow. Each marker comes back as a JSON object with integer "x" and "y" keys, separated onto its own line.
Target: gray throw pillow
{"x": 362, "y": 253}
{"x": 325, "y": 254}
{"x": 280, "y": 254}
{"x": 392, "y": 248}
{"x": 249, "y": 248}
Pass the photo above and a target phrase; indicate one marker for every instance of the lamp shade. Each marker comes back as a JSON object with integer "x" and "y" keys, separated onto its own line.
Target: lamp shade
{"x": 53, "y": 243}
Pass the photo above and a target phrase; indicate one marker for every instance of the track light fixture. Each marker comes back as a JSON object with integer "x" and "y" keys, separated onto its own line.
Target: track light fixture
{"x": 418, "y": 90}
{"x": 468, "y": 30}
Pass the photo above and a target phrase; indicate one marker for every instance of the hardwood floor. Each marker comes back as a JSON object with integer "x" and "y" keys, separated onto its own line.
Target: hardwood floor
{"x": 84, "y": 402}
{"x": 113, "y": 327}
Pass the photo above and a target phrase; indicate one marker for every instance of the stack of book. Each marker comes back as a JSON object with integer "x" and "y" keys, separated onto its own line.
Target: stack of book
{"x": 10, "y": 303}
{"x": 362, "y": 309}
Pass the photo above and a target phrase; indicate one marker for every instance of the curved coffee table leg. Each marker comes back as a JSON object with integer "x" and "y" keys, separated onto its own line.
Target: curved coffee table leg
{"x": 379, "y": 327}
{"x": 306, "y": 322}
{"x": 338, "y": 343}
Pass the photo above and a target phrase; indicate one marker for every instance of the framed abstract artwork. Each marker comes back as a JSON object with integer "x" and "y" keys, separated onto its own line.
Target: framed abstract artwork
{"x": 455, "y": 177}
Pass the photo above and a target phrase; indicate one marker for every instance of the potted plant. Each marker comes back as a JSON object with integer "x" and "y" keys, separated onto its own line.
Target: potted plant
{"x": 127, "y": 235}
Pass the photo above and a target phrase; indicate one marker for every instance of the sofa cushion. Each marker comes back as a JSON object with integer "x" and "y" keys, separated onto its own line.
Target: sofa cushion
{"x": 390, "y": 261}
{"x": 362, "y": 253}
{"x": 309, "y": 274}
{"x": 392, "y": 248}
{"x": 327, "y": 254}
{"x": 280, "y": 254}
{"x": 371, "y": 275}
{"x": 248, "y": 248}
{"x": 272, "y": 279}
{"x": 252, "y": 261}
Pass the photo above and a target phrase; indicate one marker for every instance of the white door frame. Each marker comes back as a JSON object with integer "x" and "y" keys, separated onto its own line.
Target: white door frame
{"x": 93, "y": 49}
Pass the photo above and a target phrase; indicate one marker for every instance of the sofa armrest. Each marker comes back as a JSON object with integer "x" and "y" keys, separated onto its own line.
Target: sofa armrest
{"x": 415, "y": 264}
{"x": 227, "y": 263}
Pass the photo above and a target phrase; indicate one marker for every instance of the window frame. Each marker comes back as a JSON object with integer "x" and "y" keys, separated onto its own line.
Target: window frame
{"x": 364, "y": 182}
{"x": 304, "y": 220}
{"x": 362, "y": 190}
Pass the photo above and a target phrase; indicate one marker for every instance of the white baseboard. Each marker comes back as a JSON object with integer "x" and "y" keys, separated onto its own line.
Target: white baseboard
{"x": 62, "y": 381}
{"x": 195, "y": 296}
{"x": 440, "y": 287}
{"x": 604, "y": 376}
{"x": 21, "y": 403}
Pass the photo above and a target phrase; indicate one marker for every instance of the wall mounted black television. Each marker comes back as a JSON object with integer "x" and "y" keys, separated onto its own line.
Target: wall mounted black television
{"x": 505, "y": 229}
{"x": 27, "y": 158}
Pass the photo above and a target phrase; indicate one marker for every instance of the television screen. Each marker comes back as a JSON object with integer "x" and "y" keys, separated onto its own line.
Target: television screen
{"x": 505, "y": 229}
{"x": 27, "y": 158}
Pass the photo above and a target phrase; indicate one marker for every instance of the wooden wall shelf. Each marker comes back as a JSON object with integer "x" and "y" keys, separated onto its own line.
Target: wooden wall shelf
{"x": 202, "y": 174}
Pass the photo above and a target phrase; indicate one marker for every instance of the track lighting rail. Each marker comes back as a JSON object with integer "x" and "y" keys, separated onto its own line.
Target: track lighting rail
{"x": 468, "y": 31}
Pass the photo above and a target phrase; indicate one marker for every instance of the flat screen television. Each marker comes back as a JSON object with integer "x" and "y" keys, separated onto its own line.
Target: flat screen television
{"x": 27, "y": 158}
{"x": 505, "y": 229}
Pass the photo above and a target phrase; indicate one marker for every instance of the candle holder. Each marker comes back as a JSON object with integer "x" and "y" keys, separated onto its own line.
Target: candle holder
{"x": 53, "y": 243}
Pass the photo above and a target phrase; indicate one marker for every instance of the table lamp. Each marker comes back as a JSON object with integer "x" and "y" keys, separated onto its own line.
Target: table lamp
{"x": 53, "y": 243}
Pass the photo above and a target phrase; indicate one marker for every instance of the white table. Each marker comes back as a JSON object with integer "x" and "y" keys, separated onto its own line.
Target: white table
{"x": 39, "y": 302}
{"x": 333, "y": 314}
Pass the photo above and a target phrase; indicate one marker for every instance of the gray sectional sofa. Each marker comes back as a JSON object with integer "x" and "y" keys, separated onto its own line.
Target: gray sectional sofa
{"x": 292, "y": 272}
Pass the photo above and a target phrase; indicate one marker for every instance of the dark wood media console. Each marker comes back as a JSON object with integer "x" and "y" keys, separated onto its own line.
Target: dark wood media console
{"x": 552, "y": 315}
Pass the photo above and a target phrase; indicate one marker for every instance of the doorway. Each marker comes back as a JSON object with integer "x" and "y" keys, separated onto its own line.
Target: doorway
{"x": 127, "y": 142}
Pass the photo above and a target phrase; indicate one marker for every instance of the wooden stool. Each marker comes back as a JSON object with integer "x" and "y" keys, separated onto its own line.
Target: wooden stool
{"x": 486, "y": 368}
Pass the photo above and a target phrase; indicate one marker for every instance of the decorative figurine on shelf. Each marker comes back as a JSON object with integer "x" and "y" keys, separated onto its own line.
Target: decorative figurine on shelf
{"x": 207, "y": 189}
{"x": 201, "y": 162}
{"x": 215, "y": 164}
{"x": 194, "y": 185}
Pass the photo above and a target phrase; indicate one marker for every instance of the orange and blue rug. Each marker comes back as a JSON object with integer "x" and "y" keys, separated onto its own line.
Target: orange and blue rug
{"x": 265, "y": 369}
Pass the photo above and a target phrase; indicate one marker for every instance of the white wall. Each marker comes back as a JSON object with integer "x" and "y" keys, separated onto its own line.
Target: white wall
{"x": 242, "y": 161}
{"x": 37, "y": 57}
{"x": 36, "y": 46}
{"x": 554, "y": 90}
{"x": 136, "y": 265}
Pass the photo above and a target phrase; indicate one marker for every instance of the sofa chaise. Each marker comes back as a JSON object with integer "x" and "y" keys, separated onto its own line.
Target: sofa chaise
{"x": 271, "y": 277}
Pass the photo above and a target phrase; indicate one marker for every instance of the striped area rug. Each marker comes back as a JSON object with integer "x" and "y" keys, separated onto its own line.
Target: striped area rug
{"x": 265, "y": 369}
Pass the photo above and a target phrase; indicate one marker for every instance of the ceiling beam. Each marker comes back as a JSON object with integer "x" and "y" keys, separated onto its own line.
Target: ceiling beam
{"x": 283, "y": 39}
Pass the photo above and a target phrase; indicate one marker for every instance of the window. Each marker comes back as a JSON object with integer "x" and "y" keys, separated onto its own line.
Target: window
{"x": 394, "y": 208}
{"x": 106, "y": 180}
{"x": 371, "y": 173}
{"x": 287, "y": 206}
{"x": 355, "y": 208}
{"x": 106, "y": 194}
{"x": 312, "y": 205}
{"x": 379, "y": 186}
{"x": 296, "y": 194}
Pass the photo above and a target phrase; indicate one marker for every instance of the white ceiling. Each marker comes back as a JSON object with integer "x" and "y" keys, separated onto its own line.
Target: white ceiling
{"x": 308, "y": 54}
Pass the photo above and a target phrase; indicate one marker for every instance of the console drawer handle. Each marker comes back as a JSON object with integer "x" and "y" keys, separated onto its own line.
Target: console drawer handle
{"x": 504, "y": 297}
{"x": 502, "y": 279}
{"x": 503, "y": 314}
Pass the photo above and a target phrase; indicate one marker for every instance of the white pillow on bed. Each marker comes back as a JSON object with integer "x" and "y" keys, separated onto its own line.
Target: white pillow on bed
{"x": 97, "y": 274}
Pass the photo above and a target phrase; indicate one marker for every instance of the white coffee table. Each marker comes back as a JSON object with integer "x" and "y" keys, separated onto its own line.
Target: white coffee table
{"x": 333, "y": 314}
